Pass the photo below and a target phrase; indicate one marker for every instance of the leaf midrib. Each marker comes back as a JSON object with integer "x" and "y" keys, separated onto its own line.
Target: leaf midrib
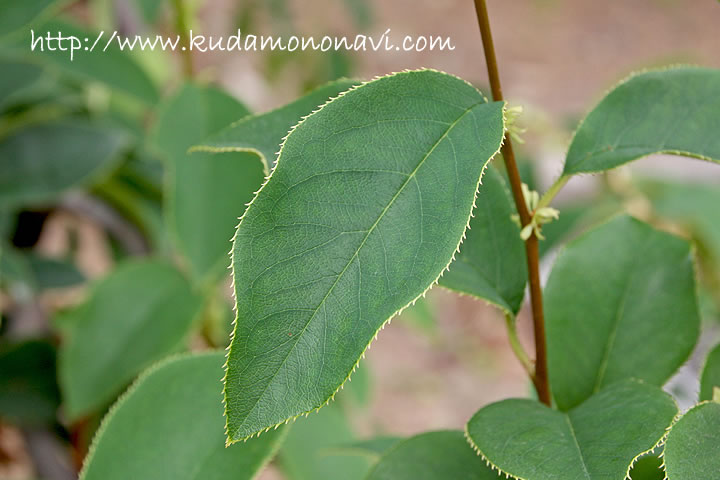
{"x": 619, "y": 314}
{"x": 362, "y": 243}
{"x": 577, "y": 445}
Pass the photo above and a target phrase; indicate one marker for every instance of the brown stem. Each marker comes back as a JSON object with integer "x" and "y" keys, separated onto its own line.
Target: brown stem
{"x": 540, "y": 378}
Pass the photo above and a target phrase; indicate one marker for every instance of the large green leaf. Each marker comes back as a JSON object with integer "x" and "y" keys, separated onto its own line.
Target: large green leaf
{"x": 620, "y": 303}
{"x": 710, "y": 379}
{"x": 692, "y": 449}
{"x": 364, "y": 210}
{"x": 432, "y": 456}
{"x": 135, "y": 316}
{"x": 262, "y": 134}
{"x": 491, "y": 264}
{"x": 28, "y": 390}
{"x": 597, "y": 440}
{"x": 169, "y": 425}
{"x": 113, "y": 67}
{"x": 206, "y": 193}
{"x": 40, "y": 162}
{"x": 666, "y": 111}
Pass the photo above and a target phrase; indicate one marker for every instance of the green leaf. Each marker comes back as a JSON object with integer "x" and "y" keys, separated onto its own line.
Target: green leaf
{"x": 692, "y": 449}
{"x": 262, "y": 134}
{"x": 17, "y": 77}
{"x": 491, "y": 264}
{"x": 364, "y": 210}
{"x": 169, "y": 425}
{"x": 620, "y": 303}
{"x": 310, "y": 451}
{"x": 648, "y": 467}
{"x": 135, "y": 316}
{"x": 16, "y": 15}
{"x": 206, "y": 194}
{"x": 432, "y": 456}
{"x": 113, "y": 67}
{"x": 667, "y": 111}
{"x": 39, "y": 163}
{"x": 710, "y": 378}
{"x": 597, "y": 440}
{"x": 372, "y": 448}
{"x": 693, "y": 205}
{"x": 28, "y": 391}
{"x": 53, "y": 273}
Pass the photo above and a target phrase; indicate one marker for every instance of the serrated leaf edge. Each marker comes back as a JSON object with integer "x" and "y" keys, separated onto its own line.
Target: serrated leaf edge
{"x": 659, "y": 443}
{"x": 135, "y": 386}
{"x": 203, "y": 147}
{"x": 677, "y": 418}
{"x": 229, "y": 439}
{"x": 623, "y": 81}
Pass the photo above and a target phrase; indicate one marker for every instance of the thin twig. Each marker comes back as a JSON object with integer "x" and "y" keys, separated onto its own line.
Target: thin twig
{"x": 540, "y": 379}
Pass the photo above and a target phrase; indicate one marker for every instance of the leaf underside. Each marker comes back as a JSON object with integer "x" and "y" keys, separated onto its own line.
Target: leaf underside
{"x": 368, "y": 202}
{"x": 620, "y": 303}
{"x": 169, "y": 426}
{"x": 491, "y": 262}
{"x": 665, "y": 111}
{"x": 597, "y": 440}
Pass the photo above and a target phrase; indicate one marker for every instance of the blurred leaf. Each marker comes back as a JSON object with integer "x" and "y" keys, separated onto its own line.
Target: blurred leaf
{"x": 54, "y": 273}
{"x": 359, "y": 387}
{"x": 361, "y": 12}
{"x": 372, "y": 448}
{"x": 692, "y": 449}
{"x": 608, "y": 292}
{"x": 309, "y": 449}
{"x": 28, "y": 389}
{"x": 206, "y": 194}
{"x": 135, "y": 316}
{"x": 432, "y": 456}
{"x": 366, "y": 198}
{"x": 576, "y": 217}
{"x": 15, "y": 267}
{"x": 114, "y": 67}
{"x": 17, "y": 77}
{"x": 149, "y": 9}
{"x": 264, "y": 133}
{"x": 169, "y": 425}
{"x": 491, "y": 263}
{"x": 692, "y": 204}
{"x": 711, "y": 375}
{"x": 39, "y": 163}
{"x": 598, "y": 439}
{"x": 420, "y": 316}
{"x": 19, "y": 13}
{"x": 666, "y": 111}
